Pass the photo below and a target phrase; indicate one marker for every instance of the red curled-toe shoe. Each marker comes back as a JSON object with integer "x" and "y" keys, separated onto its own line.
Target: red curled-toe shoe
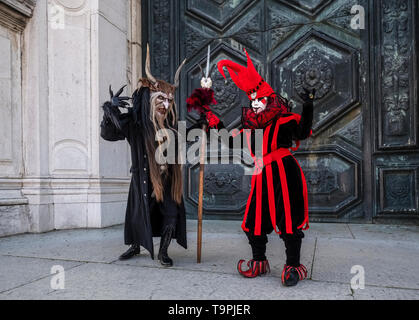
{"x": 256, "y": 268}
{"x": 291, "y": 275}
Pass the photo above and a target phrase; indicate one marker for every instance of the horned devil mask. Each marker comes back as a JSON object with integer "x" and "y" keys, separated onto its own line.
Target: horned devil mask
{"x": 162, "y": 116}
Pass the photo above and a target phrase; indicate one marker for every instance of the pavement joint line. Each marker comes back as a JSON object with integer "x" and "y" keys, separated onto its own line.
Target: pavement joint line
{"x": 55, "y": 259}
{"x": 125, "y": 265}
{"x": 5, "y": 292}
{"x": 122, "y": 264}
{"x": 350, "y": 230}
{"x": 182, "y": 269}
{"x": 328, "y": 237}
{"x": 113, "y": 262}
{"x": 312, "y": 261}
{"x": 82, "y": 263}
{"x": 178, "y": 269}
{"x": 367, "y": 285}
{"x": 152, "y": 293}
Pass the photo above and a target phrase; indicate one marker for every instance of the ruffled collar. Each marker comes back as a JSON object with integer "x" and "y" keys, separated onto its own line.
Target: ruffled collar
{"x": 275, "y": 109}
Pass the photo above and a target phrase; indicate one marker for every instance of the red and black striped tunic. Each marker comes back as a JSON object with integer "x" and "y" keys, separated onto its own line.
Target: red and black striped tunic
{"x": 278, "y": 198}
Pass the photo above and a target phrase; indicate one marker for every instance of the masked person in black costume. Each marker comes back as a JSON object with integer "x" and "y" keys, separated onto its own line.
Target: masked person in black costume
{"x": 155, "y": 203}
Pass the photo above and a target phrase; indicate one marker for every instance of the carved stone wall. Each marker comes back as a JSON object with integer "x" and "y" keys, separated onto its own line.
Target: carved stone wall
{"x": 56, "y": 171}
{"x": 24, "y": 7}
{"x": 14, "y": 213}
{"x": 13, "y": 209}
{"x": 14, "y": 14}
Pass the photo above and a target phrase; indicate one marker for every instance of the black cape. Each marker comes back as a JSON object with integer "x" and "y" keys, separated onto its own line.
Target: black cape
{"x": 143, "y": 221}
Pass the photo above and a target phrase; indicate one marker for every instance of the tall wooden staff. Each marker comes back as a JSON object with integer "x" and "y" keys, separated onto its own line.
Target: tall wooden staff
{"x": 200, "y": 101}
{"x": 201, "y": 191}
{"x": 205, "y": 83}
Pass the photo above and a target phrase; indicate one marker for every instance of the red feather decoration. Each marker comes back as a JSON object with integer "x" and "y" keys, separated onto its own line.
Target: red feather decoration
{"x": 200, "y": 100}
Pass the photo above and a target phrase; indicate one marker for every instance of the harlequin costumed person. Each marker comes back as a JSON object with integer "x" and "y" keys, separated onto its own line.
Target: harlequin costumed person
{"x": 155, "y": 203}
{"x": 278, "y": 198}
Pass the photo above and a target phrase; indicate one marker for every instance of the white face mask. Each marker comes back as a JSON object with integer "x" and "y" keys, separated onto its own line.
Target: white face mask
{"x": 259, "y": 105}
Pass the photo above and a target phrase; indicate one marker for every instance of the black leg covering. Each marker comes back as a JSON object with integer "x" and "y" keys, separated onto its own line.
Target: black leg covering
{"x": 169, "y": 211}
{"x": 165, "y": 240}
{"x": 293, "y": 247}
{"x": 258, "y": 244}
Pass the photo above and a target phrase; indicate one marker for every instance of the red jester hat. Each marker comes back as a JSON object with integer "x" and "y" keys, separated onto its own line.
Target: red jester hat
{"x": 247, "y": 78}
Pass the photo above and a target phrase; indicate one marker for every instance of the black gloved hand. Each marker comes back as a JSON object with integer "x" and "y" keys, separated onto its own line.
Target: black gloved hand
{"x": 116, "y": 100}
{"x": 309, "y": 96}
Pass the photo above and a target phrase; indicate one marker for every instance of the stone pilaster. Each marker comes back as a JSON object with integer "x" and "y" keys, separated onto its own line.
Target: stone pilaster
{"x": 63, "y": 175}
{"x": 14, "y": 216}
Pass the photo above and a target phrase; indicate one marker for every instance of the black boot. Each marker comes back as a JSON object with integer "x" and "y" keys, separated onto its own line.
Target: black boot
{"x": 131, "y": 252}
{"x": 292, "y": 275}
{"x": 293, "y": 247}
{"x": 293, "y": 271}
{"x": 166, "y": 237}
{"x": 258, "y": 244}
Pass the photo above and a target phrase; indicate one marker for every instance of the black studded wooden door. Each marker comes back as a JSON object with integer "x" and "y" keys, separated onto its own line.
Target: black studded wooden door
{"x": 362, "y": 162}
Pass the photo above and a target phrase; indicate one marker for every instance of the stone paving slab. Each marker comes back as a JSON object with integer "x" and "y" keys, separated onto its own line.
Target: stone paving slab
{"x": 110, "y": 281}
{"x": 74, "y": 245}
{"x": 380, "y": 293}
{"x": 215, "y": 226}
{"x": 386, "y": 263}
{"x": 325, "y": 230}
{"x": 221, "y": 252}
{"x": 389, "y": 255}
{"x": 329, "y": 230}
{"x": 385, "y": 232}
{"x": 15, "y": 272}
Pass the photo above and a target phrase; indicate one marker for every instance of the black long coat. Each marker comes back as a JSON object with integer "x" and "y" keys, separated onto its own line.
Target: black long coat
{"x": 143, "y": 221}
